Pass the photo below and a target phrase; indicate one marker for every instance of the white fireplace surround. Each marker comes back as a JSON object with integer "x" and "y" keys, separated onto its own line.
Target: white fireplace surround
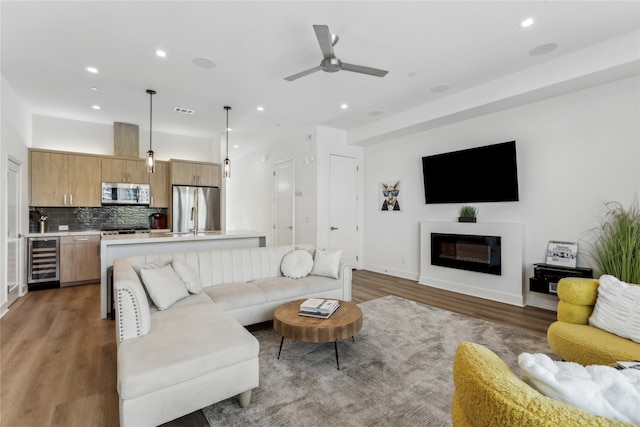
{"x": 507, "y": 287}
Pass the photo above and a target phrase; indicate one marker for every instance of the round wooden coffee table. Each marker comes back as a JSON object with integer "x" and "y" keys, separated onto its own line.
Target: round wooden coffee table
{"x": 345, "y": 322}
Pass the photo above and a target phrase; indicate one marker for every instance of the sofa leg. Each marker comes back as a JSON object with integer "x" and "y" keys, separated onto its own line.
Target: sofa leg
{"x": 244, "y": 398}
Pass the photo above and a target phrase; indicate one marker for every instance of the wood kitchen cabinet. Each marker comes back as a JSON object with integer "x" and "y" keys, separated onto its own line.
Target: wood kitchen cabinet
{"x": 195, "y": 173}
{"x": 158, "y": 186}
{"x": 79, "y": 259}
{"x": 60, "y": 179}
{"x": 123, "y": 170}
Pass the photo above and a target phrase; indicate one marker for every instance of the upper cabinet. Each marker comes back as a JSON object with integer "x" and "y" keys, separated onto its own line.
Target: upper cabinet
{"x": 195, "y": 173}
{"x": 158, "y": 187}
{"x": 59, "y": 179}
{"x": 123, "y": 170}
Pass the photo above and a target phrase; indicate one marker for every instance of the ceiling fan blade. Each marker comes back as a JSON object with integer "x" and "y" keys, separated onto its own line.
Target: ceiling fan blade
{"x": 302, "y": 73}
{"x": 364, "y": 70}
{"x": 324, "y": 38}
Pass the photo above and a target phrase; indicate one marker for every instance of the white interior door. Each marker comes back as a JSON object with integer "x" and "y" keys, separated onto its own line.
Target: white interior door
{"x": 284, "y": 201}
{"x": 13, "y": 232}
{"x": 344, "y": 230}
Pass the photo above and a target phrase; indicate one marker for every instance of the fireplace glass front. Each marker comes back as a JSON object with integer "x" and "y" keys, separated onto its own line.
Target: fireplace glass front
{"x": 467, "y": 252}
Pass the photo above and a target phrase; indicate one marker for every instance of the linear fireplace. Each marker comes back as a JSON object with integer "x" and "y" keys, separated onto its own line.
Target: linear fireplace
{"x": 508, "y": 287}
{"x": 482, "y": 254}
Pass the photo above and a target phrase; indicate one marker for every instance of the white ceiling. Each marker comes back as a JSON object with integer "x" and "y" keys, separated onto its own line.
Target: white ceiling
{"x": 423, "y": 44}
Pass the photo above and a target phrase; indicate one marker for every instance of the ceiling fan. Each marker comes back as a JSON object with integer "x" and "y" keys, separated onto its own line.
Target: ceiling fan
{"x": 330, "y": 63}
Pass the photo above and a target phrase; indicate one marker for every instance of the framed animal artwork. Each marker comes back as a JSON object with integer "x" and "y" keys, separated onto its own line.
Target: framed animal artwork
{"x": 390, "y": 196}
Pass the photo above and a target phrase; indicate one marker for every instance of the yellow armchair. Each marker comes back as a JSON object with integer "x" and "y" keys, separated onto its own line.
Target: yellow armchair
{"x": 488, "y": 393}
{"x": 573, "y": 339}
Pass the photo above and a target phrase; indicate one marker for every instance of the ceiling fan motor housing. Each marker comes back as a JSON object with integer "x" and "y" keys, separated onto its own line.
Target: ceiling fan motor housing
{"x": 331, "y": 65}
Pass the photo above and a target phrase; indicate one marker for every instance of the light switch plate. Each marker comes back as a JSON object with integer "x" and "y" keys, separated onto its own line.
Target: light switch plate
{"x": 63, "y": 228}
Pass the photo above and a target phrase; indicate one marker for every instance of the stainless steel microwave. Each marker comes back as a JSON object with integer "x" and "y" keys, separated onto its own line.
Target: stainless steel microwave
{"x": 117, "y": 193}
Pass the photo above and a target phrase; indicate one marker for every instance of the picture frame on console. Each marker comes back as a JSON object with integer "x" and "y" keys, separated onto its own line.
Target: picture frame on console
{"x": 564, "y": 254}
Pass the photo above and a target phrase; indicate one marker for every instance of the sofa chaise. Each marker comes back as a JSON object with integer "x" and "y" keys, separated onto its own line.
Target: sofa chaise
{"x": 177, "y": 359}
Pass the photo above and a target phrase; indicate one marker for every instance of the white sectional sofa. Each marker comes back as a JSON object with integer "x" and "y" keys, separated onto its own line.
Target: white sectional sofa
{"x": 196, "y": 351}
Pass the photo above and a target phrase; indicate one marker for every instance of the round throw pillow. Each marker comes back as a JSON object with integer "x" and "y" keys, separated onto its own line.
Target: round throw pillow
{"x": 296, "y": 264}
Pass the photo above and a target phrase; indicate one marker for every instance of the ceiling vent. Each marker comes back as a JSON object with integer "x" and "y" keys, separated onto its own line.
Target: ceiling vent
{"x": 183, "y": 110}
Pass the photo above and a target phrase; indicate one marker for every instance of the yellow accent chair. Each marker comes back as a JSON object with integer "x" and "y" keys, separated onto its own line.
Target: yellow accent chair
{"x": 573, "y": 339}
{"x": 488, "y": 393}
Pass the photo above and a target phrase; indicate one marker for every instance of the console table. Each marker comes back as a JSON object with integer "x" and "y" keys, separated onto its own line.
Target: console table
{"x": 547, "y": 276}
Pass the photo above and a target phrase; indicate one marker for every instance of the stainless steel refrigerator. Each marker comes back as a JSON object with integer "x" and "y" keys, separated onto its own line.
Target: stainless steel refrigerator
{"x": 196, "y": 209}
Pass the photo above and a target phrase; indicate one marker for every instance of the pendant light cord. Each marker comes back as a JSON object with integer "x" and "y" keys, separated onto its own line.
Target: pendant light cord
{"x": 227, "y": 108}
{"x": 151, "y": 93}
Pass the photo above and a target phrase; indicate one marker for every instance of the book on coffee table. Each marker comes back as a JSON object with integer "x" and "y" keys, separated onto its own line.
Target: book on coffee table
{"x": 319, "y": 305}
{"x": 319, "y": 314}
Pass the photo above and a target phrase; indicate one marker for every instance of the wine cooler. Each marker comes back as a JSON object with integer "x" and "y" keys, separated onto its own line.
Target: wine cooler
{"x": 44, "y": 262}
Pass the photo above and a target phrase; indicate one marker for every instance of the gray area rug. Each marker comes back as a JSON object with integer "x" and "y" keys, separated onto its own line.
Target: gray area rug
{"x": 398, "y": 372}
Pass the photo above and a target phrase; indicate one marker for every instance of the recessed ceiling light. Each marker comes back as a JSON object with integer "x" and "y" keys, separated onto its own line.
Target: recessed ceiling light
{"x": 440, "y": 88}
{"x": 92, "y": 70}
{"x": 161, "y": 53}
{"x": 527, "y": 23}
{"x": 260, "y": 108}
{"x": 543, "y": 49}
{"x": 95, "y": 88}
{"x": 203, "y": 62}
{"x": 236, "y": 146}
{"x": 95, "y": 107}
{"x": 344, "y": 106}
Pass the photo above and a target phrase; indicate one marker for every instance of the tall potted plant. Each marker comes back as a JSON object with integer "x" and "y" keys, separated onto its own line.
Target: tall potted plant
{"x": 615, "y": 248}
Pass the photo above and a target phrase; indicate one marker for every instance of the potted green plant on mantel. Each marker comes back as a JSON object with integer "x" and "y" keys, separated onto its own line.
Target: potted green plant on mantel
{"x": 467, "y": 214}
{"x": 615, "y": 247}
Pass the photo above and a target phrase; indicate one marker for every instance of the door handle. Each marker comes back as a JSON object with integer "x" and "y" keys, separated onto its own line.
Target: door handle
{"x": 334, "y": 228}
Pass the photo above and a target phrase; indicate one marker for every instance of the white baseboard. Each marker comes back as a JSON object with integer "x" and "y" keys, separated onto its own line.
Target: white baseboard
{"x": 409, "y": 275}
{"x": 473, "y": 291}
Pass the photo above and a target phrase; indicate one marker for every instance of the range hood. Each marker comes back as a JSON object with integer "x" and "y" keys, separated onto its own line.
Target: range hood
{"x": 126, "y": 140}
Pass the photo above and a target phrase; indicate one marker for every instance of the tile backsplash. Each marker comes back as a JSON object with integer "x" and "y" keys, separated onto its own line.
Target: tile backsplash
{"x": 82, "y": 219}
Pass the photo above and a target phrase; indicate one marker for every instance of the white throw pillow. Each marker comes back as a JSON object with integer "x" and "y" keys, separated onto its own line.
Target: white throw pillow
{"x": 598, "y": 389}
{"x": 307, "y": 247}
{"x": 156, "y": 264}
{"x": 296, "y": 264}
{"x": 164, "y": 286}
{"x": 617, "y": 308}
{"x": 189, "y": 277}
{"x": 326, "y": 263}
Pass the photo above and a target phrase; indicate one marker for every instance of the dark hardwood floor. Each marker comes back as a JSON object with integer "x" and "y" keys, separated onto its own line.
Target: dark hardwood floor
{"x": 58, "y": 358}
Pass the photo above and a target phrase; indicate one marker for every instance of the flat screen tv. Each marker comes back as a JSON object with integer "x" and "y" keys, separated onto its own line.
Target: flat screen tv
{"x": 479, "y": 174}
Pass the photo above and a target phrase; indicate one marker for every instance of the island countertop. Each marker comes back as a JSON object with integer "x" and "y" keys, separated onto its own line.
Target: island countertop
{"x": 126, "y": 245}
{"x": 168, "y": 236}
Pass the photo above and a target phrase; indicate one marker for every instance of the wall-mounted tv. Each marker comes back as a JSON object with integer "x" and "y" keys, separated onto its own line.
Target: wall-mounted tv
{"x": 479, "y": 174}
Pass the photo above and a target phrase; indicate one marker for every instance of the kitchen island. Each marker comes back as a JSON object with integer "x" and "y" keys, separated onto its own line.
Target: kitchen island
{"x": 126, "y": 245}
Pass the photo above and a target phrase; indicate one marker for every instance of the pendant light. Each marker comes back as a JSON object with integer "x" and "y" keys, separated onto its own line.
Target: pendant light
{"x": 151, "y": 163}
{"x": 227, "y": 163}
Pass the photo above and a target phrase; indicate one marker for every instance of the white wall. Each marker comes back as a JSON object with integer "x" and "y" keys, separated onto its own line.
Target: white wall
{"x": 250, "y": 190}
{"x": 575, "y": 152}
{"x": 53, "y": 133}
{"x": 15, "y": 136}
